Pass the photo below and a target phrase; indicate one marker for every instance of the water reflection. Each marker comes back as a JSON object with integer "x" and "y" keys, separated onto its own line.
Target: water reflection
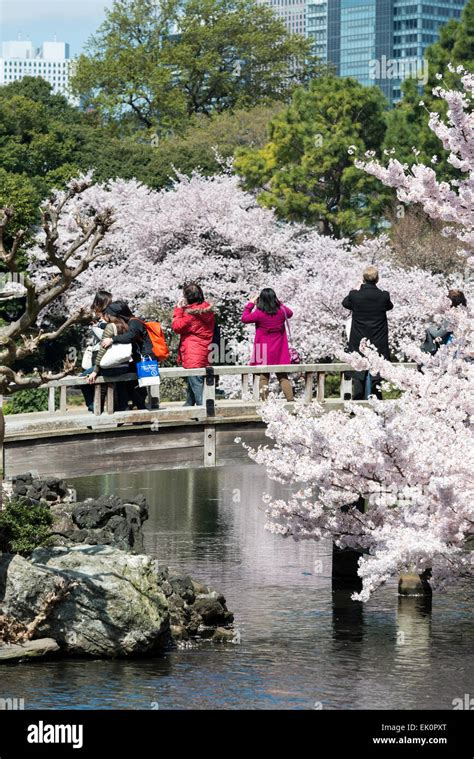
{"x": 302, "y": 646}
{"x": 347, "y": 617}
{"x": 414, "y": 631}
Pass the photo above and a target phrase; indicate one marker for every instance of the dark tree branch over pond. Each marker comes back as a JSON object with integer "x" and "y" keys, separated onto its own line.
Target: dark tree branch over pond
{"x": 21, "y": 338}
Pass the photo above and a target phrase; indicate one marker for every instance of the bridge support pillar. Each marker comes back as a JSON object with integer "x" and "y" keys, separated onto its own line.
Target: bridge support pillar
{"x": 209, "y": 445}
{"x": 413, "y": 584}
{"x": 345, "y": 561}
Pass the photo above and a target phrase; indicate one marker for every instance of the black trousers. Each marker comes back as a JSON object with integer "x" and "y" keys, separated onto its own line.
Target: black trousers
{"x": 359, "y": 380}
{"x": 121, "y": 390}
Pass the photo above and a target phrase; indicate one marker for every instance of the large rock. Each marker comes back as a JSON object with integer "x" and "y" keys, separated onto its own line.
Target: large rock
{"x": 24, "y": 588}
{"x": 195, "y": 609}
{"x": 115, "y": 606}
{"x": 109, "y": 520}
{"x": 51, "y": 489}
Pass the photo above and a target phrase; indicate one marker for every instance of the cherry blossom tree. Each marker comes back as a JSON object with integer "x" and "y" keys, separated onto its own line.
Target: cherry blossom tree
{"x": 451, "y": 202}
{"x": 68, "y": 258}
{"x": 210, "y": 230}
{"x": 411, "y": 460}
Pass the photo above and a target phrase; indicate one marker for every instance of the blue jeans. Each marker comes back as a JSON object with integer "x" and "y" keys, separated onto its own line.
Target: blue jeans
{"x": 194, "y": 394}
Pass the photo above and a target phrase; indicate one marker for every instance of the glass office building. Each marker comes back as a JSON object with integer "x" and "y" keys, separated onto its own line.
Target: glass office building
{"x": 317, "y": 26}
{"x": 376, "y": 41}
{"x": 360, "y": 34}
{"x": 416, "y": 26}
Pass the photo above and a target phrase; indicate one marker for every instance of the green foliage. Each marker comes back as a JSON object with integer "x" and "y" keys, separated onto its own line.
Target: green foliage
{"x": 34, "y": 137}
{"x": 24, "y": 526}
{"x": 25, "y": 401}
{"x": 172, "y": 389}
{"x": 407, "y": 123}
{"x": 19, "y": 192}
{"x": 111, "y": 156}
{"x": 306, "y": 172}
{"x": 40, "y": 91}
{"x": 227, "y": 54}
{"x": 152, "y": 159}
{"x": 206, "y": 140}
{"x": 39, "y": 144}
{"x": 463, "y": 48}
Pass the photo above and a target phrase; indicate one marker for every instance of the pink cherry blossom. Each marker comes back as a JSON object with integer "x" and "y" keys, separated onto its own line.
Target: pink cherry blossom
{"x": 451, "y": 202}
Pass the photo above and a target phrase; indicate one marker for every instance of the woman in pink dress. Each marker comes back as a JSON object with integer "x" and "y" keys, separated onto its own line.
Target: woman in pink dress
{"x": 271, "y": 343}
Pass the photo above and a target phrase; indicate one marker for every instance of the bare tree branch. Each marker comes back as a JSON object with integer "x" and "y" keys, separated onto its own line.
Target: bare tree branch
{"x": 11, "y": 381}
{"x": 21, "y": 338}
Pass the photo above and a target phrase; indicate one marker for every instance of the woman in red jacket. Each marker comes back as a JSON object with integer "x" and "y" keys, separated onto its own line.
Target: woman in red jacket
{"x": 194, "y": 321}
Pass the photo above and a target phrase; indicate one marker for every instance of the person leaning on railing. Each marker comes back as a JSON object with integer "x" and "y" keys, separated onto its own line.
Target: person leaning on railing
{"x": 114, "y": 326}
{"x": 135, "y": 333}
{"x": 194, "y": 321}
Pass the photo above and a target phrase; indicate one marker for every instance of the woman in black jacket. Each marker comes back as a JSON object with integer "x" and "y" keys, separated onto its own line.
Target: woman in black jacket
{"x": 137, "y": 334}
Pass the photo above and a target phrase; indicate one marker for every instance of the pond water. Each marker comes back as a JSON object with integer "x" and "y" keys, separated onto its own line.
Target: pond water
{"x": 299, "y": 645}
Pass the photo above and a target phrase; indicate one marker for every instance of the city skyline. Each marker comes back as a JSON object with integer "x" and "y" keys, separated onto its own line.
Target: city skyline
{"x": 377, "y": 42}
{"x": 38, "y": 20}
{"x": 51, "y": 61}
{"x": 370, "y": 40}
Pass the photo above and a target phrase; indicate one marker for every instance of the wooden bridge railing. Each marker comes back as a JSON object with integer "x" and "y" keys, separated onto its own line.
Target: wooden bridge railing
{"x": 314, "y": 376}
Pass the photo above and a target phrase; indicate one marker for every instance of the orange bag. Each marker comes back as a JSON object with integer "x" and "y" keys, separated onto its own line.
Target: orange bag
{"x": 156, "y": 335}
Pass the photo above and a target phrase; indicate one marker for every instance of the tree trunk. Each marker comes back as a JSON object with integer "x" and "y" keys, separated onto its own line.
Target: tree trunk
{"x": 2, "y": 440}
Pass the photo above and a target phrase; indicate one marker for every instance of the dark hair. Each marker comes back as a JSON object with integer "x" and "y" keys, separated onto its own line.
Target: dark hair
{"x": 267, "y": 301}
{"x": 122, "y": 309}
{"x": 457, "y": 298}
{"x": 102, "y": 299}
{"x": 193, "y": 293}
{"x": 113, "y": 315}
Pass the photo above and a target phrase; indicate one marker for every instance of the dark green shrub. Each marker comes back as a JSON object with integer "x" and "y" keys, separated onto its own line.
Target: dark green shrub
{"x": 24, "y": 526}
{"x": 25, "y": 401}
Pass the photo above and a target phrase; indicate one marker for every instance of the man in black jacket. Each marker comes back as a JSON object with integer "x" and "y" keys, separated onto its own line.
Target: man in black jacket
{"x": 369, "y": 306}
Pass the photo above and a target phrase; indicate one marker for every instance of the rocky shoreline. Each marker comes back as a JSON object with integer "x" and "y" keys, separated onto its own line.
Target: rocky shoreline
{"x": 91, "y": 590}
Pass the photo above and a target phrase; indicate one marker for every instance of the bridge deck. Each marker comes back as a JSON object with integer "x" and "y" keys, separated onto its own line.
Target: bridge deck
{"x": 79, "y": 443}
{"x": 170, "y": 414}
{"x": 71, "y": 441}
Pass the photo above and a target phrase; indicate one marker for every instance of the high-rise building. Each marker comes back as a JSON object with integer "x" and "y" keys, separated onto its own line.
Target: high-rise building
{"x": 375, "y": 41}
{"x": 51, "y": 62}
{"x": 317, "y": 26}
{"x": 359, "y": 34}
{"x": 383, "y": 41}
{"x": 291, "y": 12}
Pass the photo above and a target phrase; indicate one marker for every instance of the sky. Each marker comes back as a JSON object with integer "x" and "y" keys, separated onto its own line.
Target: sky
{"x": 71, "y": 21}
